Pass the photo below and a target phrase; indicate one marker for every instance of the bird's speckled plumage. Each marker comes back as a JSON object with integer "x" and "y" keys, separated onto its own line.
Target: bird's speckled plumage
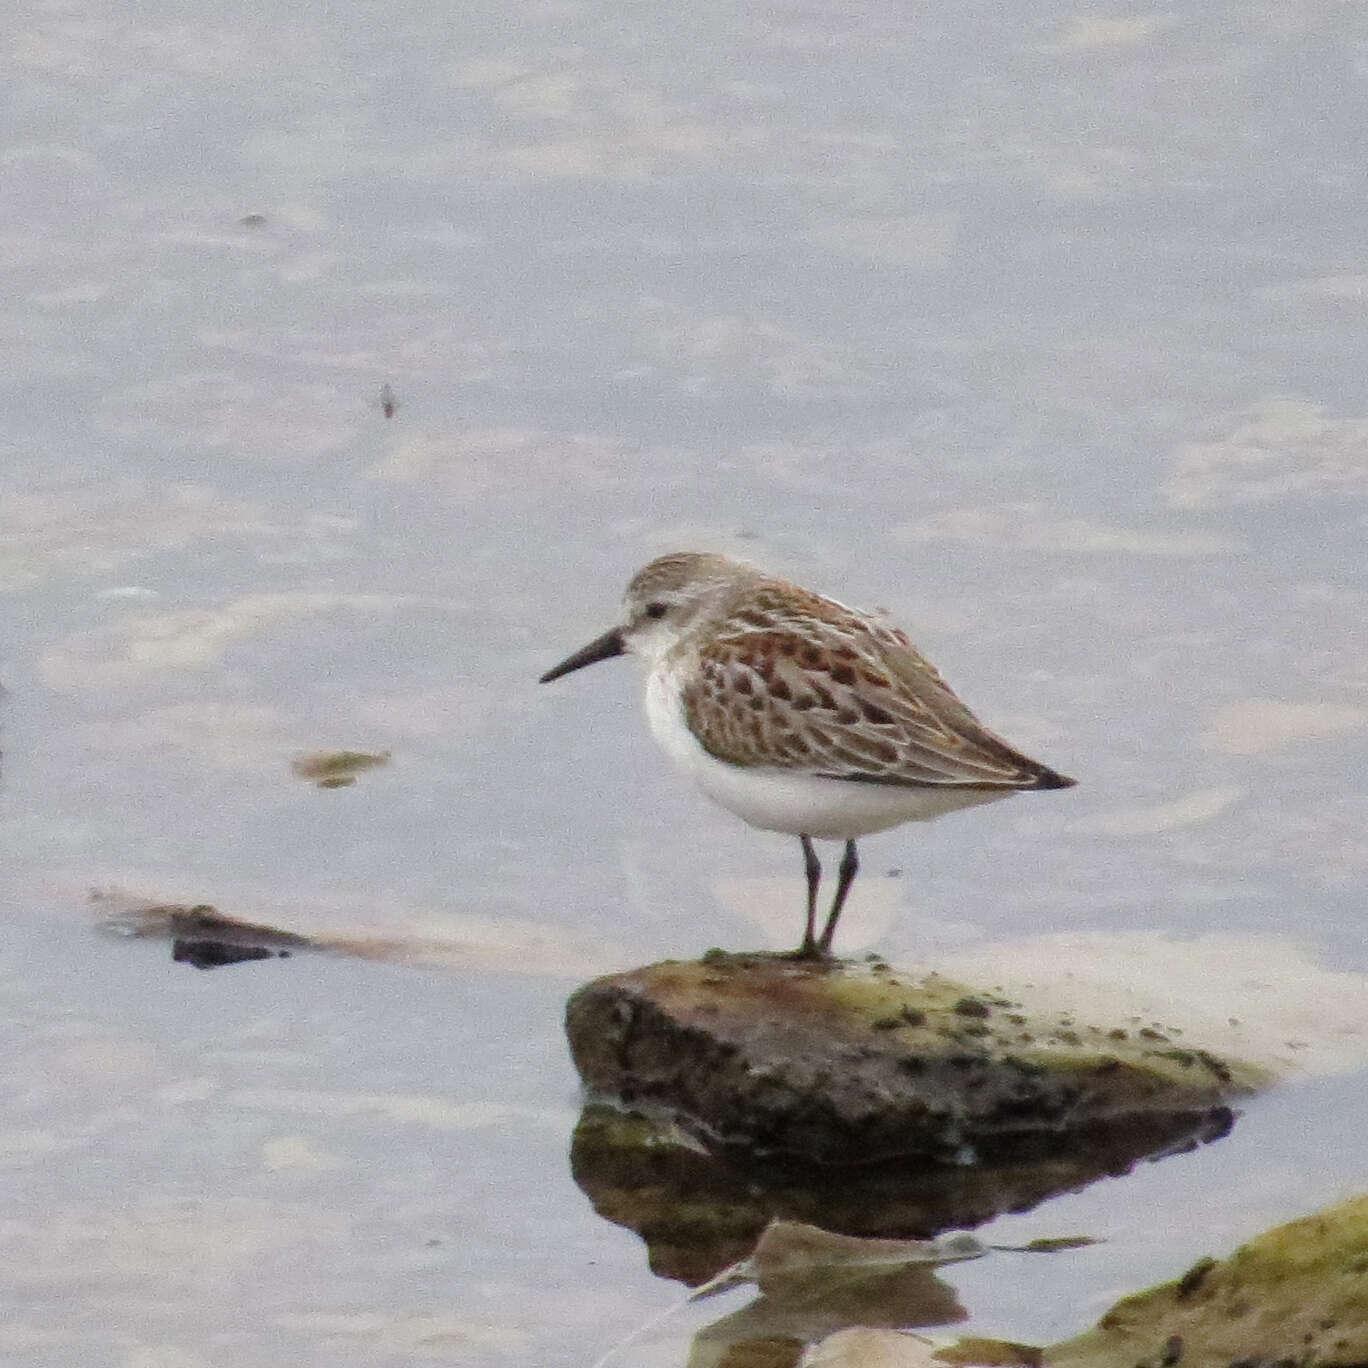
{"x": 800, "y": 714}
{"x": 774, "y": 675}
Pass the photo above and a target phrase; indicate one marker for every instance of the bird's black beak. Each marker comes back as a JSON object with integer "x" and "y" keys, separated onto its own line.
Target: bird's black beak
{"x": 607, "y": 646}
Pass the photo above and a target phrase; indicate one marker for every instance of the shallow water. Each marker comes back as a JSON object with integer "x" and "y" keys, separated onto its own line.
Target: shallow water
{"x": 1043, "y": 331}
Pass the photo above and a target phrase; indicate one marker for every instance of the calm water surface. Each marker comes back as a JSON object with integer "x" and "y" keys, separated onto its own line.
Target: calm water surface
{"x": 1044, "y": 331}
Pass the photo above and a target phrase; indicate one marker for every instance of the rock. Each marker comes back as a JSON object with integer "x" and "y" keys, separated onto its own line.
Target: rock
{"x": 1297, "y": 1294}
{"x": 853, "y": 1064}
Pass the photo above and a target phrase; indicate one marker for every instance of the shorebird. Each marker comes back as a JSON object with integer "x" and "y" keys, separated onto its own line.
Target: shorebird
{"x": 801, "y": 715}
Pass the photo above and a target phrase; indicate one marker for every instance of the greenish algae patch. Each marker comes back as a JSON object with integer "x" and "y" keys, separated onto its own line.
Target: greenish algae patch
{"x": 927, "y": 1011}
{"x": 849, "y": 1063}
{"x": 1297, "y": 1294}
{"x": 336, "y": 769}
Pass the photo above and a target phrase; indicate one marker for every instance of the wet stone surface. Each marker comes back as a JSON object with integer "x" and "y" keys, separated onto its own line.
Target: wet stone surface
{"x": 851, "y": 1064}
{"x": 1295, "y": 1295}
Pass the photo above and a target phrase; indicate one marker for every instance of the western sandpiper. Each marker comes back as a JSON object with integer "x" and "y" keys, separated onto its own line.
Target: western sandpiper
{"x": 801, "y": 715}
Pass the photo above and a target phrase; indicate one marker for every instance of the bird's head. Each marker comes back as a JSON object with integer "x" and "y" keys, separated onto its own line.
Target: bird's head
{"x": 664, "y": 601}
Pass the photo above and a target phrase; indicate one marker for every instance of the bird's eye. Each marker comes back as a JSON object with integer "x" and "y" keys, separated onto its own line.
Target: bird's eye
{"x": 657, "y": 609}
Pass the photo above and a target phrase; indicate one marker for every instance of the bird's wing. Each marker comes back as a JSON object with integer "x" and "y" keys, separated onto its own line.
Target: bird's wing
{"x": 837, "y": 693}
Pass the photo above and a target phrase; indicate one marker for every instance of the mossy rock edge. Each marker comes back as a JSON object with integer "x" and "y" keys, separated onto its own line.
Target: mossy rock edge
{"x": 1296, "y": 1295}
{"x": 854, "y": 1063}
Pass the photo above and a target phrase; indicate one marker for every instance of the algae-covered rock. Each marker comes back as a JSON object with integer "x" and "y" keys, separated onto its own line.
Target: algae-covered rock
{"x": 841, "y": 1064}
{"x": 1296, "y": 1295}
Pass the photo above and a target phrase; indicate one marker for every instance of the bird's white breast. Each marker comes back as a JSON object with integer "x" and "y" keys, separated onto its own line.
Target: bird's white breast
{"x": 788, "y": 800}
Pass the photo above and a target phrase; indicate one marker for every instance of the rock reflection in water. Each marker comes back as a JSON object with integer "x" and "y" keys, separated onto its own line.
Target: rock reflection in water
{"x": 812, "y": 1283}
{"x": 698, "y": 1212}
{"x": 774, "y": 1330}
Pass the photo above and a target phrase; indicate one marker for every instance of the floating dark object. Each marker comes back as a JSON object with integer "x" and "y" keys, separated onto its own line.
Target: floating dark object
{"x": 253, "y": 220}
{"x": 389, "y": 404}
{"x": 208, "y": 940}
{"x": 212, "y": 954}
{"x": 201, "y": 935}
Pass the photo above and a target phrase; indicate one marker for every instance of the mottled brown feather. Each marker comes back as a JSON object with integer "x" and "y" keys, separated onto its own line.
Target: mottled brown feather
{"x": 789, "y": 679}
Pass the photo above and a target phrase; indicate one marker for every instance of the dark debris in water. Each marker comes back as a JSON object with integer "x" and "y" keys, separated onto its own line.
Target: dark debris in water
{"x": 200, "y": 935}
{"x": 211, "y": 954}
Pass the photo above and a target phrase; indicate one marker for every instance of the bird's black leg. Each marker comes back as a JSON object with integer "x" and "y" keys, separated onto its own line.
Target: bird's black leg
{"x": 813, "y": 869}
{"x": 850, "y": 866}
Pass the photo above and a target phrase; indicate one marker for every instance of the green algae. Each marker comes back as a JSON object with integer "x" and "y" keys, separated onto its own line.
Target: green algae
{"x": 1297, "y": 1294}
